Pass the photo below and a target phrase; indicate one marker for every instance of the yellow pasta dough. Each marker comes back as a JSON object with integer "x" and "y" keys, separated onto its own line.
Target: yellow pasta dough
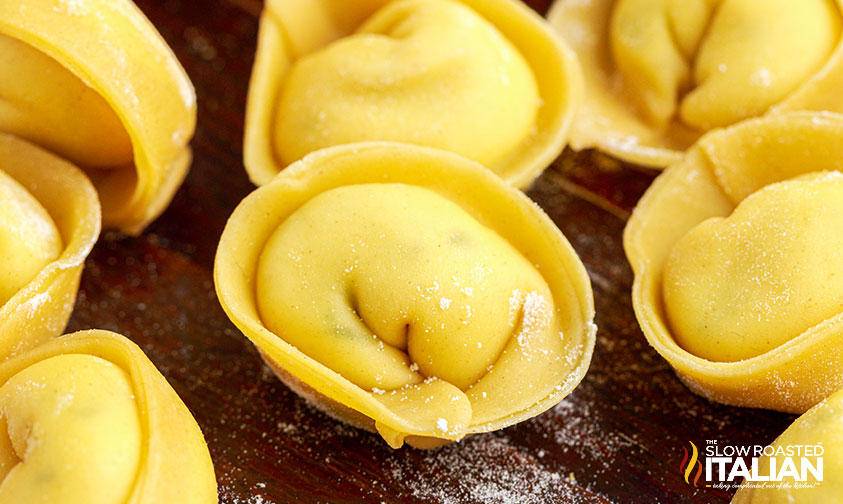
{"x": 29, "y": 239}
{"x": 94, "y": 83}
{"x": 49, "y": 221}
{"x": 49, "y": 105}
{"x": 399, "y": 76}
{"x": 736, "y": 256}
{"x": 738, "y": 287}
{"x": 660, "y": 73}
{"x": 486, "y": 80}
{"x": 71, "y": 415}
{"x": 407, "y": 290}
{"x": 86, "y": 418}
{"x": 819, "y": 426}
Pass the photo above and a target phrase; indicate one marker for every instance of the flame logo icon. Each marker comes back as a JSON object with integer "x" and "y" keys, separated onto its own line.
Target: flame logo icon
{"x": 689, "y": 464}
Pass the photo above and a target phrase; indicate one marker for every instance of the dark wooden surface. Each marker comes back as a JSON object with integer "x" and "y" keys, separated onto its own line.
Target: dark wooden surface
{"x": 617, "y": 438}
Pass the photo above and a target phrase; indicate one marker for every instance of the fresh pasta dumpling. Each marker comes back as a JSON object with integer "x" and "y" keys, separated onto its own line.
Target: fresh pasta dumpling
{"x": 660, "y": 73}
{"x": 88, "y": 419}
{"x": 408, "y": 290}
{"x": 740, "y": 286}
{"x": 49, "y": 221}
{"x": 819, "y": 430}
{"x": 487, "y": 80}
{"x": 93, "y": 82}
{"x": 736, "y": 253}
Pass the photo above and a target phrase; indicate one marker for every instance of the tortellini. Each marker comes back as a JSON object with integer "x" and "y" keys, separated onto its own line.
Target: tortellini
{"x": 819, "y": 426}
{"x": 484, "y": 79}
{"x": 49, "y": 221}
{"x": 86, "y": 418}
{"x": 660, "y": 73}
{"x": 736, "y": 253}
{"x": 740, "y": 286}
{"x": 94, "y": 83}
{"x": 408, "y": 290}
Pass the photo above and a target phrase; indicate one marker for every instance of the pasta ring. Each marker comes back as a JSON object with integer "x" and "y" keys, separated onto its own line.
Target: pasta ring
{"x": 88, "y": 419}
{"x": 713, "y": 197}
{"x": 661, "y": 73}
{"x": 94, "y": 83}
{"x": 501, "y": 322}
{"x": 332, "y": 72}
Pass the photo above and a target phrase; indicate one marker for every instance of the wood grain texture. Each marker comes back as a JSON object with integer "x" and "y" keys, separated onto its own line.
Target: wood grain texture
{"x": 618, "y": 438}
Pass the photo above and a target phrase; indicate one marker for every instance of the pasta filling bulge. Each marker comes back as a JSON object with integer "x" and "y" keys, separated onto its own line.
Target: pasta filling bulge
{"x": 29, "y": 239}
{"x": 69, "y": 432}
{"x": 430, "y": 72}
{"x": 737, "y": 287}
{"x": 712, "y": 63}
{"x": 398, "y": 290}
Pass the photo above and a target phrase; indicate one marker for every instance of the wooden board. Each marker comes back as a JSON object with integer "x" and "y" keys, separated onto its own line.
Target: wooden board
{"x": 617, "y": 438}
